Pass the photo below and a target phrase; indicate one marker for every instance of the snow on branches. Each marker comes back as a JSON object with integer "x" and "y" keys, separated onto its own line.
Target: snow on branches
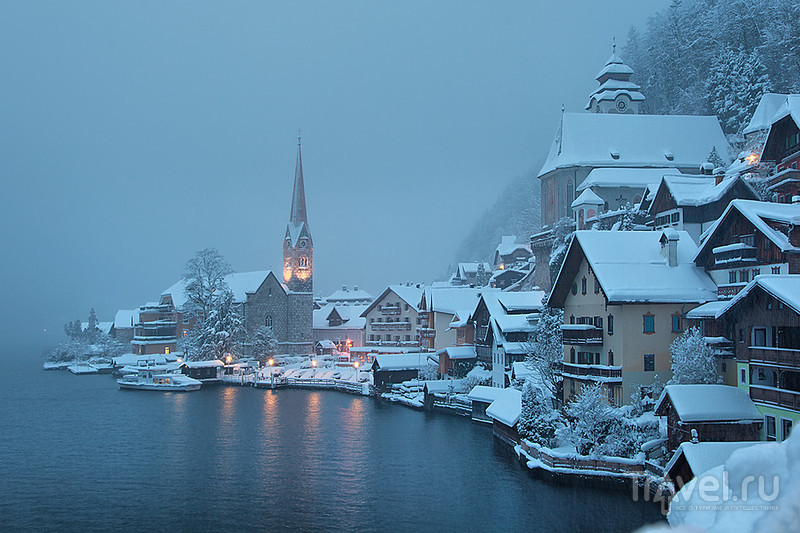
{"x": 692, "y": 360}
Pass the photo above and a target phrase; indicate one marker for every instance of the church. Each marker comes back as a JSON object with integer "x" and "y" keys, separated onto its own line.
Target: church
{"x": 285, "y": 304}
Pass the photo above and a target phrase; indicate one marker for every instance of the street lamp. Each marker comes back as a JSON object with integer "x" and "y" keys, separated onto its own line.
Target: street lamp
{"x": 355, "y": 365}
{"x": 271, "y": 381}
{"x": 314, "y": 365}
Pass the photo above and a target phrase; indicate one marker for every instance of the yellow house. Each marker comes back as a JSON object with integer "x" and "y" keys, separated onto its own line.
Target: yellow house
{"x": 625, "y": 295}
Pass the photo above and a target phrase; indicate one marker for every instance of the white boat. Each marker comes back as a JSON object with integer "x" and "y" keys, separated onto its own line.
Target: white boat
{"x": 82, "y": 368}
{"x": 56, "y": 366}
{"x": 159, "y": 379}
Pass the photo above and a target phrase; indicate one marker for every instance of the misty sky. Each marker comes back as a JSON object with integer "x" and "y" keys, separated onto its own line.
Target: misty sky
{"x": 133, "y": 134}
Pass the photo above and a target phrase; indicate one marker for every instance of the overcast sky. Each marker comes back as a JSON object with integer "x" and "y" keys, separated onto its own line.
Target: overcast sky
{"x": 133, "y": 134}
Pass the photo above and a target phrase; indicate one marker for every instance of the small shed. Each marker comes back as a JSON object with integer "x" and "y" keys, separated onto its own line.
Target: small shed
{"x": 505, "y": 412}
{"x": 325, "y": 347}
{"x": 693, "y": 458}
{"x": 442, "y": 389}
{"x": 719, "y": 413}
{"x": 449, "y": 357}
{"x": 205, "y": 371}
{"x": 482, "y": 397}
{"x": 391, "y": 369}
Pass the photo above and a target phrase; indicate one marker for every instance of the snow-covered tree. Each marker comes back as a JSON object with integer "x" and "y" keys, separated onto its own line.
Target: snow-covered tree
{"x": 692, "y": 360}
{"x": 204, "y": 279}
{"x": 264, "y": 344}
{"x": 546, "y": 349}
{"x": 538, "y": 421}
{"x": 631, "y": 217}
{"x": 429, "y": 372}
{"x": 217, "y": 336}
{"x": 563, "y": 230}
{"x": 74, "y": 330}
{"x": 589, "y": 413}
{"x": 736, "y": 81}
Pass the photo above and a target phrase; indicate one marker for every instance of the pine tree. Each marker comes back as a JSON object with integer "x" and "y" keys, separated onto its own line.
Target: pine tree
{"x": 546, "y": 349}
{"x": 217, "y": 335}
{"x": 692, "y": 360}
{"x": 264, "y": 344}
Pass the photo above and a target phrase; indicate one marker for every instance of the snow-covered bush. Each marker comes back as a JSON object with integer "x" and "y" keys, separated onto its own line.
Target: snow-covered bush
{"x": 692, "y": 360}
{"x": 538, "y": 422}
{"x": 429, "y": 372}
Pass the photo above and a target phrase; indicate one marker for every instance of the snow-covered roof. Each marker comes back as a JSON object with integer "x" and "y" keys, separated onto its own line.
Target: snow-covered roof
{"x": 587, "y": 197}
{"x": 349, "y": 295}
{"x": 508, "y": 245}
{"x": 790, "y": 106}
{"x": 703, "y": 456}
{"x": 708, "y": 310}
{"x": 413, "y": 361}
{"x": 350, "y": 314}
{"x": 522, "y": 303}
{"x": 759, "y": 213}
{"x": 765, "y": 111}
{"x": 696, "y": 190}
{"x": 482, "y": 393}
{"x": 455, "y": 300}
{"x": 710, "y": 403}
{"x": 507, "y": 407}
{"x": 240, "y": 283}
{"x": 520, "y": 369}
{"x": 782, "y": 287}
{"x": 126, "y": 318}
{"x": 410, "y": 294}
{"x": 516, "y": 323}
{"x": 631, "y": 266}
{"x": 103, "y": 327}
{"x": 130, "y": 359}
{"x": 443, "y": 386}
{"x": 458, "y": 352}
{"x": 214, "y": 363}
{"x": 614, "y": 80}
{"x": 635, "y": 178}
{"x": 615, "y": 140}
{"x": 326, "y": 344}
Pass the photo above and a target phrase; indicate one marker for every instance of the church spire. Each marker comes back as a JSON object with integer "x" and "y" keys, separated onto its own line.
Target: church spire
{"x": 298, "y": 213}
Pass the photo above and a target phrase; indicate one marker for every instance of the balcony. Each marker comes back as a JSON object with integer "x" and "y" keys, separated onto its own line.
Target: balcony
{"x": 779, "y": 397}
{"x": 775, "y": 356}
{"x": 598, "y": 372}
{"x": 390, "y": 310}
{"x": 582, "y": 334}
{"x": 427, "y": 333}
{"x": 391, "y": 326}
{"x": 734, "y": 253}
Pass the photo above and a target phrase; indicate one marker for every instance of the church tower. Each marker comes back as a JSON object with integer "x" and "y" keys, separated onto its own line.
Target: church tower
{"x": 617, "y": 93}
{"x": 298, "y": 248}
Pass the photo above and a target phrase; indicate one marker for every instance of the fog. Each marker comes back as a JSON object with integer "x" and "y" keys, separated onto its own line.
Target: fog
{"x": 136, "y": 133}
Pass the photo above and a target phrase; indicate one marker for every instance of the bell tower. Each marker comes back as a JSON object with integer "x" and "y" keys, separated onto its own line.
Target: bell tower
{"x": 616, "y": 93}
{"x": 298, "y": 248}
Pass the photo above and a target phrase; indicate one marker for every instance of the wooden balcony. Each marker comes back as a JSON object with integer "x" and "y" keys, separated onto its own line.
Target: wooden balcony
{"x": 391, "y": 326}
{"x": 427, "y": 333}
{"x": 390, "y": 310}
{"x": 779, "y": 397}
{"x": 582, "y": 334}
{"x": 786, "y": 357}
{"x": 609, "y": 373}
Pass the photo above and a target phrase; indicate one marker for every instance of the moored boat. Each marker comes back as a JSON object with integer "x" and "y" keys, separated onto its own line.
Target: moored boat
{"x": 82, "y": 368}
{"x": 158, "y": 379}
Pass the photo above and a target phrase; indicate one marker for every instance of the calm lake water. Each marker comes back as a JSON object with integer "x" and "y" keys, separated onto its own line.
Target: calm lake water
{"x": 80, "y": 454}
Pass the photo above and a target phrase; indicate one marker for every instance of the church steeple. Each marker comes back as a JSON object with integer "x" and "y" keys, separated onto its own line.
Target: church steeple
{"x": 617, "y": 93}
{"x": 298, "y": 248}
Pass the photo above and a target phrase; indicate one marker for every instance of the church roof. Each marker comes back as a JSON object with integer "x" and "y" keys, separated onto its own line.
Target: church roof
{"x": 298, "y": 221}
{"x": 638, "y": 141}
{"x": 587, "y": 197}
{"x": 240, "y": 283}
{"x": 614, "y": 80}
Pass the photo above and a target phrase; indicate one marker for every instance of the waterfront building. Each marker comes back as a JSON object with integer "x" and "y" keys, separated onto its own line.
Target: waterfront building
{"x": 394, "y": 317}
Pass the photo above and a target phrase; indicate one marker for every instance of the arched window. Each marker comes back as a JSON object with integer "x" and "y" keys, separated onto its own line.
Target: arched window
{"x": 303, "y": 262}
{"x": 268, "y": 321}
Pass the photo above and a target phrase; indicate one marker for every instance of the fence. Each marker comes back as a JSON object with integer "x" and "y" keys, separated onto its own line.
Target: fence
{"x": 573, "y": 462}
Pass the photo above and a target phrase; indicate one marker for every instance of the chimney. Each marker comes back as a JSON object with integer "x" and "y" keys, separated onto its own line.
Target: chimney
{"x": 344, "y": 288}
{"x": 669, "y": 246}
{"x": 355, "y": 287}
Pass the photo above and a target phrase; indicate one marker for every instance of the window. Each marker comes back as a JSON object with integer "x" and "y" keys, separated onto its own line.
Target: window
{"x": 408, "y": 337}
{"x": 786, "y": 428}
{"x": 572, "y": 355}
{"x": 598, "y": 322}
{"x": 747, "y": 240}
{"x": 596, "y": 286}
{"x": 776, "y": 270}
{"x": 185, "y": 319}
{"x": 571, "y": 319}
{"x": 610, "y": 324}
{"x": 388, "y": 336}
{"x": 574, "y": 289}
{"x": 743, "y": 376}
{"x": 732, "y": 276}
{"x": 610, "y": 358}
{"x": 756, "y": 272}
{"x": 268, "y": 321}
{"x": 769, "y": 427}
{"x": 166, "y": 349}
{"x": 649, "y": 362}
{"x": 744, "y": 276}
{"x": 572, "y": 387}
{"x": 583, "y": 286}
{"x": 186, "y": 333}
{"x": 303, "y": 261}
{"x": 610, "y": 395}
{"x": 676, "y": 323}
{"x": 759, "y": 336}
{"x": 648, "y": 324}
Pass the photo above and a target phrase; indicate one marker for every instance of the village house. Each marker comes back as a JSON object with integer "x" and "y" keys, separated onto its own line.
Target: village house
{"x": 472, "y": 274}
{"x": 751, "y": 238}
{"x": 445, "y": 316}
{"x": 717, "y": 413}
{"x": 124, "y": 322}
{"x": 504, "y": 323}
{"x": 394, "y": 317}
{"x": 694, "y": 202}
{"x": 341, "y": 324}
{"x": 346, "y": 296}
{"x": 510, "y": 253}
{"x": 450, "y": 358}
{"x": 763, "y": 320}
{"x": 505, "y": 412}
{"x": 388, "y": 370}
{"x": 482, "y": 397}
{"x": 625, "y": 295}
{"x": 782, "y": 146}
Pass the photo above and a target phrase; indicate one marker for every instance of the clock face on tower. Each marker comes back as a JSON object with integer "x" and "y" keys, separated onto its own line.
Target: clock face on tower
{"x": 622, "y": 105}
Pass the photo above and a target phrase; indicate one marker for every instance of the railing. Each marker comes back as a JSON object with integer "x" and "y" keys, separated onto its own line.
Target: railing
{"x": 599, "y": 371}
{"x": 777, "y": 356}
{"x": 588, "y": 335}
{"x": 391, "y": 326}
{"x": 553, "y": 460}
{"x": 427, "y": 333}
{"x": 390, "y": 310}
{"x": 780, "y": 397}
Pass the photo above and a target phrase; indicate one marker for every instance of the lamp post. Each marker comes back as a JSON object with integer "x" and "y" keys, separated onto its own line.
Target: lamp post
{"x": 314, "y": 366}
{"x": 271, "y": 382}
{"x": 355, "y": 365}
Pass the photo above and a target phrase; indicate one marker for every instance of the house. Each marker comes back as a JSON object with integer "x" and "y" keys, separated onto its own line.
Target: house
{"x": 482, "y": 397}
{"x": 759, "y": 125}
{"x": 694, "y": 202}
{"x": 505, "y": 412}
{"x": 504, "y": 323}
{"x": 782, "y": 147}
{"x": 625, "y": 295}
{"x": 717, "y": 413}
{"x": 206, "y": 371}
{"x": 455, "y": 355}
{"x": 509, "y": 253}
{"x": 394, "y": 317}
{"x": 442, "y": 391}
{"x": 445, "y": 315}
{"x": 763, "y": 321}
{"x": 124, "y": 322}
{"x": 391, "y": 369}
{"x": 345, "y": 296}
{"x": 751, "y": 238}
{"x": 340, "y": 323}
{"x": 325, "y": 347}
{"x": 693, "y": 458}
{"x": 472, "y": 274}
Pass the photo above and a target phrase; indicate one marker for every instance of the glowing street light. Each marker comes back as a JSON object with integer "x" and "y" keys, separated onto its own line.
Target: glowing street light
{"x": 314, "y": 365}
{"x": 271, "y": 380}
{"x": 355, "y": 365}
